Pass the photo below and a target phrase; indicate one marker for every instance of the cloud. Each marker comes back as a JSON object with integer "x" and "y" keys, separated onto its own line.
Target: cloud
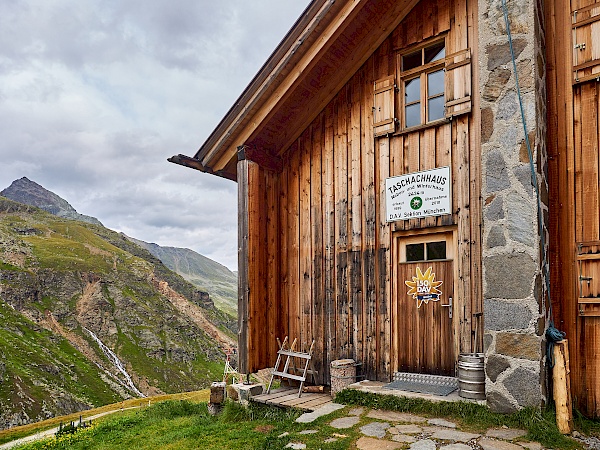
{"x": 95, "y": 95}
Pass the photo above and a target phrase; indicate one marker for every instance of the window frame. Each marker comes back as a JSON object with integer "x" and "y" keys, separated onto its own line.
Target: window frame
{"x": 421, "y": 72}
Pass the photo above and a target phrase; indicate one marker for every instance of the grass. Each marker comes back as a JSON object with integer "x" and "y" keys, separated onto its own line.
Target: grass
{"x": 541, "y": 425}
{"x": 180, "y": 425}
{"x": 26, "y": 430}
{"x": 187, "y": 424}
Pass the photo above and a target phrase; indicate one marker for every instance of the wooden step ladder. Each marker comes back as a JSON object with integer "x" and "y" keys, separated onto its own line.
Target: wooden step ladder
{"x": 289, "y": 354}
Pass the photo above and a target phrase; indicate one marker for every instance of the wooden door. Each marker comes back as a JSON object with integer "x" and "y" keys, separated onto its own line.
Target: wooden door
{"x": 425, "y": 291}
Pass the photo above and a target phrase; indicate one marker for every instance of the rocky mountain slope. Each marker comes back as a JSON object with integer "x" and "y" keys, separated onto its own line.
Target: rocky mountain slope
{"x": 87, "y": 318}
{"x": 29, "y": 192}
{"x": 206, "y": 274}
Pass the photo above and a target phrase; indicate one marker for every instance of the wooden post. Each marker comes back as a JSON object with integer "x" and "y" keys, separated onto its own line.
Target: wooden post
{"x": 562, "y": 387}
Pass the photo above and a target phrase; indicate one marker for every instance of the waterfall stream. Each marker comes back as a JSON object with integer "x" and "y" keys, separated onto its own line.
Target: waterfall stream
{"x": 114, "y": 359}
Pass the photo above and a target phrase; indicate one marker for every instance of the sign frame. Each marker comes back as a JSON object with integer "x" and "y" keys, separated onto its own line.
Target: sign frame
{"x": 418, "y": 195}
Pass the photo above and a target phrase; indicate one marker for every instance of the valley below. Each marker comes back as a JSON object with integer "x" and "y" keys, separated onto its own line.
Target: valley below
{"x": 88, "y": 317}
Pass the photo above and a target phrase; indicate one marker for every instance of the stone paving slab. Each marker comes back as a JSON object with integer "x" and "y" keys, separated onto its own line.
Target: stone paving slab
{"x": 425, "y": 444}
{"x": 505, "y": 433}
{"x": 322, "y": 411}
{"x": 375, "y": 429}
{"x": 531, "y": 445}
{"x": 296, "y": 445}
{"x": 406, "y": 429}
{"x": 404, "y": 438}
{"x": 345, "y": 422}
{"x": 455, "y": 447}
{"x": 441, "y": 423}
{"x": 453, "y": 435}
{"x": 393, "y": 416}
{"x": 369, "y": 443}
{"x": 356, "y": 411}
{"x": 494, "y": 444}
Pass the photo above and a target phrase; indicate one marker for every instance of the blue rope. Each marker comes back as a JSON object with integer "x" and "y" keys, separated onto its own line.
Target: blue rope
{"x": 552, "y": 334}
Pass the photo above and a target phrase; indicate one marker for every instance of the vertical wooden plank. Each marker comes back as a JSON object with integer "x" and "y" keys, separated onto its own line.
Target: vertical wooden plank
{"x": 273, "y": 264}
{"x": 294, "y": 244}
{"x": 371, "y": 353}
{"x": 384, "y": 65}
{"x": 560, "y": 141}
{"x": 412, "y": 155}
{"x": 341, "y": 226}
{"x": 475, "y": 200}
{"x": 589, "y": 162}
{"x": 316, "y": 215}
{"x": 284, "y": 276}
{"x": 384, "y": 294}
{"x": 305, "y": 260}
{"x": 242, "y": 181}
{"x": 443, "y": 158}
{"x": 255, "y": 288}
{"x": 261, "y": 301}
{"x": 461, "y": 183}
{"x": 355, "y": 217}
{"x": 329, "y": 239}
{"x": 428, "y": 161}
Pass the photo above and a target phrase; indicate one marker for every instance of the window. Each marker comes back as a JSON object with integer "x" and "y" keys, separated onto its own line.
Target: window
{"x": 423, "y": 81}
{"x": 426, "y": 251}
{"x": 432, "y": 86}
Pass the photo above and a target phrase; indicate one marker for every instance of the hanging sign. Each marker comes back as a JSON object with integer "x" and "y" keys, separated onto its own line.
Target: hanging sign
{"x": 418, "y": 194}
{"x": 424, "y": 288}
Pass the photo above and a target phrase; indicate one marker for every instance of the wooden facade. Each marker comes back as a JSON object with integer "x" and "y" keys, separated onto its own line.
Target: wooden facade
{"x": 321, "y": 261}
{"x": 573, "y": 143}
{"x": 311, "y": 143}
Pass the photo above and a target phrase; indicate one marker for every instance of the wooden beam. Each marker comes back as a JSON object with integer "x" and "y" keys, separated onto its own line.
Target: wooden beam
{"x": 194, "y": 163}
{"x": 562, "y": 387}
{"x": 243, "y": 256}
{"x": 262, "y": 158}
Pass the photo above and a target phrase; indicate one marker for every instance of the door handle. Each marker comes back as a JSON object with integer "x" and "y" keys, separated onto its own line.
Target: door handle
{"x": 449, "y": 306}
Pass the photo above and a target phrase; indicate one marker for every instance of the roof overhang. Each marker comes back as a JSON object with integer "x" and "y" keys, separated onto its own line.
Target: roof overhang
{"x": 326, "y": 46}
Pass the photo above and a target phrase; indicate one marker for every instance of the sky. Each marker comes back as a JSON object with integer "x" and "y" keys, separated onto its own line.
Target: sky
{"x": 95, "y": 95}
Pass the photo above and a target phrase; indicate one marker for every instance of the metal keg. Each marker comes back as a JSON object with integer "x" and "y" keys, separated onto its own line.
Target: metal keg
{"x": 471, "y": 376}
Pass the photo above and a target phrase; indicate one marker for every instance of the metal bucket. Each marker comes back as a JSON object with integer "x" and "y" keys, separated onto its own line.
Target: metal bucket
{"x": 343, "y": 374}
{"x": 471, "y": 376}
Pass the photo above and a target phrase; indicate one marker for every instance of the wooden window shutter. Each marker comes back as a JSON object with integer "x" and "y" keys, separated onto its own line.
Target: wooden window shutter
{"x": 458, "y": 83}
{"x": 384, "y": 119}
{"x": 586, "y": 42}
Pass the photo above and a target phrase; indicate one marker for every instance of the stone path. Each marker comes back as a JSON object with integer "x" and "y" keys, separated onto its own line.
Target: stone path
{"x": 382, "y": 430}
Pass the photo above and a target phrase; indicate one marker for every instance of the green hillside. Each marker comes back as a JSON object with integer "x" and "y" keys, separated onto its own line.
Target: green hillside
{"x": 203, "y": 272}
{"x": 60, "y": 278}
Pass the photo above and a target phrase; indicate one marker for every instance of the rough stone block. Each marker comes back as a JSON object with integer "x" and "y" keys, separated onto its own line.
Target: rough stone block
{"x": 495, "y": 365}
{"x": 508, "y": 106}
{"x": 245, "y": 391}
{"x": 487, "y": 124}
{"x": 524, "y": 386}
{"x": 500, "y": 315}
{"x": 496, "y": 174}
{"x": 495, "y": 84}
{"x": 495, "y": 210}
{"x": 509, "y": 275}
{"x": 499, "y": 403}
{"x": 496, "y": 237}
{"x": 517, "y": 345}
{"x": 217, "y": 392}
{"x": 499, "y": 54}
{"x": 522, "y": 221}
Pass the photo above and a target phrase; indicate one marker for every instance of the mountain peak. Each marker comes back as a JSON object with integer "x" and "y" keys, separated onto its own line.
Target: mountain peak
{"x": 31, "y": 193}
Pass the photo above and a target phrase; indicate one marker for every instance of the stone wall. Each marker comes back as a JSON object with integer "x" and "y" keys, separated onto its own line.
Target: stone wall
{"x": 512, "y": 265}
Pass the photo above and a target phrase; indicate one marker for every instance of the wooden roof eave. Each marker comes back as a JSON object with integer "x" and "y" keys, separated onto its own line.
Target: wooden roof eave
{"x": 294, "y": 62}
